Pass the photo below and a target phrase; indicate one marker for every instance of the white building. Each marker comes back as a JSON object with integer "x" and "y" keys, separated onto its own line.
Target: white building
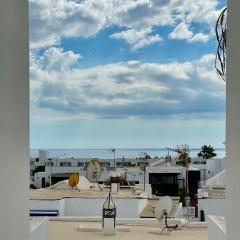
{"x": 14, "y": 121}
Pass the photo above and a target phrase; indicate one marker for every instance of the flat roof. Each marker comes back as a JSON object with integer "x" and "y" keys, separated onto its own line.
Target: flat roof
{"x": 164, "y": 169}
{"x": 62, "y": 230}
{"x": 215, "y": 192}
{"x": 57, "y": 194}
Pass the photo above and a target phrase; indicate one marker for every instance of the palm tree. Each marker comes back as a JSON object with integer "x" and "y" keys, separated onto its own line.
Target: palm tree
{"x": 207, "y": 152}
{"x": 184, "y": 160}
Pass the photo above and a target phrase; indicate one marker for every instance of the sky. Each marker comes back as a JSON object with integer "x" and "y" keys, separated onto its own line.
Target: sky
{"x": 124, "y": 74}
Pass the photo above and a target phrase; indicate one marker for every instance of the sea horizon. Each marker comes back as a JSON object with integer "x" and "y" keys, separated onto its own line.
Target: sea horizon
{"x": 119, "y": 152}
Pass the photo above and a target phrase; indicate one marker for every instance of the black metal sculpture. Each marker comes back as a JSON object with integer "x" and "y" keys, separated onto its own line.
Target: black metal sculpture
{"x": 221, "y": 34}
{"x": 109, "y": 210}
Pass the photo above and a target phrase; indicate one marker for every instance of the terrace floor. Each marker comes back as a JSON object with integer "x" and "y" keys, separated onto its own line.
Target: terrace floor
{"x": 61, "y": 230}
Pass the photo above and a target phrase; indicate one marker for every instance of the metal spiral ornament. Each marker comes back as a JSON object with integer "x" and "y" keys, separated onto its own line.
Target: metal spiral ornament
{"x": 221, "y": 35}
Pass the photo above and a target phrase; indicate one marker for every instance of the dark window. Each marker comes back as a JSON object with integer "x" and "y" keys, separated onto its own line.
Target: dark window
{"x": 105, "y": 164}
{"x": 48, "y": 163}
{"x": 164, "y": 183}
{"x": 65, "y": 164}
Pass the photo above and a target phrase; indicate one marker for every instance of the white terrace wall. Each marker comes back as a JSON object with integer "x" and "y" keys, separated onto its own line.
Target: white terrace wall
{"x": 212, "y": 207}
{"x": 90, "y": 207}
{"x": 48, "y": 205}
{"x": 40, "y": 232}
{"x": 215, "y": 166}
{"x": 126, "y": 208}
{"x": 215, "y": 230}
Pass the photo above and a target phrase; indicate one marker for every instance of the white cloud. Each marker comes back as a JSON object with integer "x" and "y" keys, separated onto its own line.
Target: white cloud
{"x": 143, "y": 13}
{"x": 137, "y": 38}
{"x": 54, "y": 59}
{"x": 52, "y": 20}
{"x": 204, "y": 11}
{"x": 147, "y": 41}
{"x": 199, "y": 37}
{"x": 181, "y": 31}
{"x": 124, "y": 89}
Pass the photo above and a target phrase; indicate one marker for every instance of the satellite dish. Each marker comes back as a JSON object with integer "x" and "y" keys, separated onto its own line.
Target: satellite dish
{"x": 93, "y": 172}
{"x": 163, "y": 206}
{"x": 162, "y": 209}
{"x": 73, "y": 180}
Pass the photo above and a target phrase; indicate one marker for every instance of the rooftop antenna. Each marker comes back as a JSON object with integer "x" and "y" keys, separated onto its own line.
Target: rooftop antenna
{"x": 168, "y": 157}
{"x": 144, "y": 157}
{"x": 161, "y": 211}
{"x": 113, "y": 150}
{"x": 183, "y": 149}
{"x": 93, "y": 172}
{"x": 73, "y": 181}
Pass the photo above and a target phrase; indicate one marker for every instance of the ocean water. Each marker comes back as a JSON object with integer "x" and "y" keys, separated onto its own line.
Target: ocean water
{"x": 107, "y": 154}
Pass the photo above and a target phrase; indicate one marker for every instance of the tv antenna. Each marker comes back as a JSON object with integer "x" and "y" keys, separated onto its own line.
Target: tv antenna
{"x": 168, "y": 157}
{"x": 113, "y": 150}
{"x": 161, "y": 211}
{"x": 93, "y": 172}
{"x": 180, "y": 149}
{"x": 73, "y": 181}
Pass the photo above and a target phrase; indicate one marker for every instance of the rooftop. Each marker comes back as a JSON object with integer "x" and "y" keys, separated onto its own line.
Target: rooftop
{"x": 62, "y": 230}
{"x": 215, "y": 192}
{"x": 57, "y": 194}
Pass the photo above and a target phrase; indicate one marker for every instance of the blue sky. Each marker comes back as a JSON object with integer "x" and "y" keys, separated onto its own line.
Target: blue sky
{"x": 125, "y": 73}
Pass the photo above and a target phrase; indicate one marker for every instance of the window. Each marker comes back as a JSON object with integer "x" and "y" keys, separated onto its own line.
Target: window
{"x": 105, "y": 164}
{"x": 80, "y": 164}
{"x": 65, "y": 164}
{"x": 48, "y": 163}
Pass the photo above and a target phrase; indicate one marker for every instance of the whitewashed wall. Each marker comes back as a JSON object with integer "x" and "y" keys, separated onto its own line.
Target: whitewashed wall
{"x": 215, "y": 230}
{"x": 14, "y": 119}
{"x": 233, "y": 120}
{"x": 40, "y": 232}
{"x": 87, "y": 207}
{"x": 62, "y": 204}
{"x": 38, "y": 178}
{"x": 43, "y": 156}
{"x": 142, "y": 202}
{"x": 83, "y": 207}
{"x": 215, "y": 166}
{"x": 126, "y": 208}
{"x": 212, "y": 206}
{"x": 45, "y": 205}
